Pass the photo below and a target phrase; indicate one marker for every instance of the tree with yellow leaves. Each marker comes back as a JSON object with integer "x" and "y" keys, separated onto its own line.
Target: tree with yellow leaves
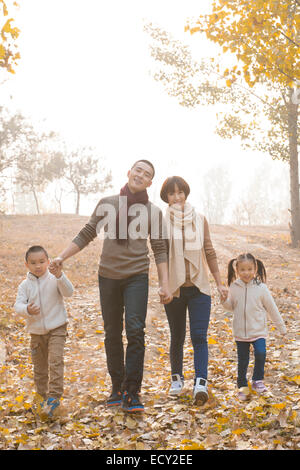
{"x": 265, "y": 38}
{"x": 8, "y": 35}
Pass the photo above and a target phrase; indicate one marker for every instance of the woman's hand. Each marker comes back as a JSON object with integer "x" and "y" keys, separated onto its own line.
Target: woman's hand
{"x": 223, "y": 291}
{"x": 165, "y": 295}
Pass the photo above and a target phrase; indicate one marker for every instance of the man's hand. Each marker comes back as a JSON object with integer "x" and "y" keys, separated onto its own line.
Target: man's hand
{"x": 33, "y": 309}
{"x": 165, "y": 295}
{"x": 58, "y": 262}
{"x": 223, "y": 291}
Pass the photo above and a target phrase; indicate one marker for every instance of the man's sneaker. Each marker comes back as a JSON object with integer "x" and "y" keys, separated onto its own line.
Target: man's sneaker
{"x": 131, "y": 402}
{"x": 115, "y": 398}
{"x": 259, "y": 387}
{"x": 176, "y": 385}
{"x": 243, "y": 394}
{"x": 48, "y": 406}
{"x": 200, "y": 391}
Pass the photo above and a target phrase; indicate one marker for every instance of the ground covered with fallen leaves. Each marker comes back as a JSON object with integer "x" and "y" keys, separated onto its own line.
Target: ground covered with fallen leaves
{"x": 84, "y": 421}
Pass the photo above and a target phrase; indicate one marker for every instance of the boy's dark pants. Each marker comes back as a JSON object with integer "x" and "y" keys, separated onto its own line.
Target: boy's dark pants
{"x": 47, "y": 353}
{"x": 116, "y": 295}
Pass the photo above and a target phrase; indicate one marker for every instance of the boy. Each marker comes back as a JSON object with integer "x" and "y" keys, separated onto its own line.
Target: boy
{"x": 40, "y": 301}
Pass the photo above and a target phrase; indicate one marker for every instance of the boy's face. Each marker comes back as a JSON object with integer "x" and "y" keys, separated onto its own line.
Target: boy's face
{"x": 37, "y": 263}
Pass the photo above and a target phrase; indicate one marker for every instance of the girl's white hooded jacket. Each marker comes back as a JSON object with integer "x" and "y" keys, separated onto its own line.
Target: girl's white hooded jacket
{"x": 46, "y": 292}
{"x": 250, "y": 304}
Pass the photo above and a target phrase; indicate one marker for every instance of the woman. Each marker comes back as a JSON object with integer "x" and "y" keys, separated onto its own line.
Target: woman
{"x": 190, "y": 254}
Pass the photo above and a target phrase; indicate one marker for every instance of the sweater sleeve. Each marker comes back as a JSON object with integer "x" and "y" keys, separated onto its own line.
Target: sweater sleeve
{"x": 92, "y": 228}
{"x": 65, "y": 286}
{"x": 210, "y": 253}
{"x": 158, "y": 240}
{"x": 272, "y": 310}
{"x": 21, "y": 303}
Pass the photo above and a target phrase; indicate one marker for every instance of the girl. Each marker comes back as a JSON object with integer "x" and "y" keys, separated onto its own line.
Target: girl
{"x": 190, "y": 254}
{"x": 250, "y": 301}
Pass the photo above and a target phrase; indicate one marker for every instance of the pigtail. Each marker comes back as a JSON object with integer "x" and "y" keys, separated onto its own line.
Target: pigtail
{"x": 261, "y": 274}
{"x": 231, "y": 276}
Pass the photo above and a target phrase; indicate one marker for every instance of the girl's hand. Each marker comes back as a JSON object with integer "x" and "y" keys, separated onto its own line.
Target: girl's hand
{"x": 223, "y": 291}
{"x": 33, "y": 309}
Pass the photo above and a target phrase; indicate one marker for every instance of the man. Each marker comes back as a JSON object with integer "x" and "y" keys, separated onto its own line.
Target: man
{"x": 123, "y": 277}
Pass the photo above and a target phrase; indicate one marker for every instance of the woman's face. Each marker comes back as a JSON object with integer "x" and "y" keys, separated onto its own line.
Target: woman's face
{"x": 176, "y": 197}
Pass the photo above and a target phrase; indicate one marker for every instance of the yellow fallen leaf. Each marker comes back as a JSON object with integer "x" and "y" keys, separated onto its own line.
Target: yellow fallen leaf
{"x": 239, "y": 431}
{"x": 19, "y": 398}
{"x": 212, "y": 341}
{"x": 279, "y": 406}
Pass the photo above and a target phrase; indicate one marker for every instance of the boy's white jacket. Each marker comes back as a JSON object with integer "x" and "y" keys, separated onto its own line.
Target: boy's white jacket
{"x": 46, "y": 292}
{"x": 250, "y": 304}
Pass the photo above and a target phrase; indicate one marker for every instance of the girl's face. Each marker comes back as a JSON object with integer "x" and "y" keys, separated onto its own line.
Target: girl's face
{"x": 246, "y": 270}
{"x": 176, "y": 197}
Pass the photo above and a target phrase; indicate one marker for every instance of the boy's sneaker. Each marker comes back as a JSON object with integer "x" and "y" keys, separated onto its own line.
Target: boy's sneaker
{"x": 243, "y": 393}
{"x": 259, "y": 387}
{"x": 131, "y": 402}
{"x": 115, "y": 398}
{"x": 48, "y": 406}
{"x": 200, "y": 391}
{"x": 176, "y": 385}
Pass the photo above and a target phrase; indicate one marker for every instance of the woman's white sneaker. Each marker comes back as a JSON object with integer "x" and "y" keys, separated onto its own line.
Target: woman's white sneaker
{"x": 200, "y": 391}
{"x": 176, "y": 385}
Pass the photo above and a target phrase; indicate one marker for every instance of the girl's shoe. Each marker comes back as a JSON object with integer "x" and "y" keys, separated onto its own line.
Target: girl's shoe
{"x": 176, "y": 385}
{"x": 259, "y": 387}
{"x": 243, "y": 394}
{"x": 200, "y": 391}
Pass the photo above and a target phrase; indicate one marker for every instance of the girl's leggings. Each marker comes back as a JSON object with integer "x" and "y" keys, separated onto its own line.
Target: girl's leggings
{"x": 243, "y": 353}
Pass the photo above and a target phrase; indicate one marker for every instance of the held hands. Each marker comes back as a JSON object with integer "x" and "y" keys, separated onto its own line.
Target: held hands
{"x": 33, "y": 309}
{"x": 223, "y": 291}
{"x": 55, "y": 267}
{"x": 165, "y": 295}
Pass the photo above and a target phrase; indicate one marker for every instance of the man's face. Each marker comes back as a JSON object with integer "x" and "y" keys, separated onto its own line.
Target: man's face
{"x": 140, "y": 177}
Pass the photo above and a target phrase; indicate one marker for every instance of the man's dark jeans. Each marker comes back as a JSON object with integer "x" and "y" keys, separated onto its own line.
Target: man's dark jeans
{"x": 116, "y": 295}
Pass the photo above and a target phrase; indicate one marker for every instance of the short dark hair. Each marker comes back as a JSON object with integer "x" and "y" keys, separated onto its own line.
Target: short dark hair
{"x": 35, "y": 249}
{"x": 148, "y": 163}
{"x": 169, "y": 187}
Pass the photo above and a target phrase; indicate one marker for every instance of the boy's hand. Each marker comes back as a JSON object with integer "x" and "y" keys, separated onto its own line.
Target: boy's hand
{"x": 55, "y": 269}
{"x": 33, "y": 309}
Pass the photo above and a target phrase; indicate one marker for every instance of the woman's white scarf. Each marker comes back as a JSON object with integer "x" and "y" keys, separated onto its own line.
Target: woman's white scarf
{"x": 186, "y": 238}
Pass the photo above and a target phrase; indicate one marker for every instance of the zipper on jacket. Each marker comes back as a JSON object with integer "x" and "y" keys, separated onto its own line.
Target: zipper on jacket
{"x": 38, "y": 281}
{"x": 245, "y": 317}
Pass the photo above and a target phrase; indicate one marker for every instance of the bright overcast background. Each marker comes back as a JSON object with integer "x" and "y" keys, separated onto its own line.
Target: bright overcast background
{"x": 85, "y": 72}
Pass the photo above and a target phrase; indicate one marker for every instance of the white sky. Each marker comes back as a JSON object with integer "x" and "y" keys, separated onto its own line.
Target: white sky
{"x": 85, "y": 70}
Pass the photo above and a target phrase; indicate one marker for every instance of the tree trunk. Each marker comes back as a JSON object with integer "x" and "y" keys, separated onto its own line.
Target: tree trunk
{"x": 294, "y": 172}
{"x": 77, "y": 202}
{"x": 36, "y": 200}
